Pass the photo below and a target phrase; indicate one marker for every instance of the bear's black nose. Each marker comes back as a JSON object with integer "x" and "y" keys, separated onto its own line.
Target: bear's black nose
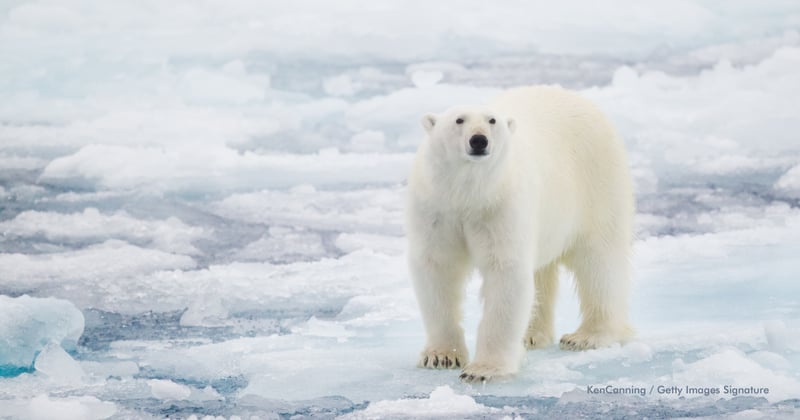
{"x": 478, "y": 143}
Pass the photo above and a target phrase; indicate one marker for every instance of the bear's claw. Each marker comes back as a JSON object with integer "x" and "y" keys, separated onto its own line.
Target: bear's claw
{"x": 437, "y": 360}
{"x": 466, "y": 377}
{"x": 537, "y": 341}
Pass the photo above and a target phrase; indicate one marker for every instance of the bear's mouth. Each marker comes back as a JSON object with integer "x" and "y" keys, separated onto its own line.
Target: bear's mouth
{"x": 477, "y": 155}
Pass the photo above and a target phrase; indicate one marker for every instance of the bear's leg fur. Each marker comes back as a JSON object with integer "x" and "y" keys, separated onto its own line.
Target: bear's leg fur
{"x": 507, "y": 293}
{"x": 602, "y": 276}
{"x": 540, "y": 327}
{"x": 439, "y": 287}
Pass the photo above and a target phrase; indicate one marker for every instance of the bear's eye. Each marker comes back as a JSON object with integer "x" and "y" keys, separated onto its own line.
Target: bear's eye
{"x": 460, "y": 121}
{"x": 492, "y": 121}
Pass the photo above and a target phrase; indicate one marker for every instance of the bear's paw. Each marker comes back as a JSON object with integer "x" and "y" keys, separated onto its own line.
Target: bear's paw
{"x": 437, "y": 359}
{"x": 482, "y": 372}
{"x": 578, "y": 341}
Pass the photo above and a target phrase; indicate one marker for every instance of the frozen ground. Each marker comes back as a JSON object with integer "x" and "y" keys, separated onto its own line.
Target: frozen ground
{"x": 203, "y": 202}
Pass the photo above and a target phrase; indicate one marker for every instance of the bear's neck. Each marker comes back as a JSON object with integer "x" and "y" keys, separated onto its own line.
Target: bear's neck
{"x": 471, "y": 186}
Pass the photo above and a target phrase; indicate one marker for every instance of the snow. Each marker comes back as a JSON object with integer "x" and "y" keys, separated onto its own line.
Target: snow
{"x": 201, "y": 204}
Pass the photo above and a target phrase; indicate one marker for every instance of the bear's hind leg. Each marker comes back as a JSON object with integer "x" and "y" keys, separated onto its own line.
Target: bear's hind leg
{"x": 602, "y": 277}
{"x": 540, "y": 327}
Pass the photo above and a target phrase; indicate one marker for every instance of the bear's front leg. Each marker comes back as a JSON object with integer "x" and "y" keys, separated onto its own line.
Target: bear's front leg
{"x": 508, "y": 294}
{"x": 439, "y": 286}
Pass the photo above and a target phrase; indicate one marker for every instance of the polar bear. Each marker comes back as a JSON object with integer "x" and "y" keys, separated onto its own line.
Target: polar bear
{"x": 533, "y": 181}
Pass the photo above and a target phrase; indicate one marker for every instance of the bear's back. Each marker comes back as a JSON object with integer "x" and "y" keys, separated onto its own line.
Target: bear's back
{"x": 574, "y": 149}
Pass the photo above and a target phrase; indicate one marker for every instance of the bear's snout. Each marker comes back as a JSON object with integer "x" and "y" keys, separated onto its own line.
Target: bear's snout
{"x": 478, "y": 144}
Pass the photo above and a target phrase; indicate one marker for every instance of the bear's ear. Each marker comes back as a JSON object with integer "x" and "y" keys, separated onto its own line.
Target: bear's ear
{"x": 512, "y": 125}
{"x": 428, "y": 121}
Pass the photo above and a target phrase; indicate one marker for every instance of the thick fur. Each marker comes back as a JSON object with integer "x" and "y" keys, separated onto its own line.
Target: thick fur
{"x": 554, "y": 189}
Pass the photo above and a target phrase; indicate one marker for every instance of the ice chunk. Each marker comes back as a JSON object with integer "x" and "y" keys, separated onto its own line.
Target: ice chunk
{"x": 390, "y": 245}
{"x": 733, "y": 368}
{"x": 28, "y": 325}
{"x": 637, "y": 352}
{"x": 206, "y": 310}
{"x": 43, "y": 407}
{"x": 54, "y": 362}
{"x": 771, "y": 360}
{"x": 206, "y": 394}
{"x": 77, "y": 408}
{"x": 443, "y": 401}
{"x": 164, "y": 389}
{"x": 283, "y": 244}
{"x": 790, "y": 181}
{"x": 341, "y": 85}
{"x": 423, "y": 78}
{"x": 574, "y": 396}
{"x": 367, "y": 141}
{"x": 781, "y": 338}
{"x": 748, "y": 415}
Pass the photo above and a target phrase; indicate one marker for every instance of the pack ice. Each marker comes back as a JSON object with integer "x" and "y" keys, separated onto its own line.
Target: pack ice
{"x": 201, "y": 205}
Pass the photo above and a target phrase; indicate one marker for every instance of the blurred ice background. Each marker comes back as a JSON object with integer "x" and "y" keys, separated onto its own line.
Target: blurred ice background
{"x": 201, "y": 203}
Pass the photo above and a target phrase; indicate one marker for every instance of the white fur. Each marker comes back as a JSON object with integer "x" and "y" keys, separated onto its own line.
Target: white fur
{"x": 554, "y": 189}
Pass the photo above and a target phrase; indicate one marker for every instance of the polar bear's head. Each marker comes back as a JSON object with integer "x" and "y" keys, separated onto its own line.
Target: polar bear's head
{"x": 469, "y": 134}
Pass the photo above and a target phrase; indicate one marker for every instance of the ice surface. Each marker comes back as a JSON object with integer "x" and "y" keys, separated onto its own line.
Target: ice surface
{"x": 734, "y": 368}
{"x": 70, "y": 271}
{"x": 170, "y": 235}
{"x": 188, "y": 168}
{"x": 217, "y": 189}
{"x": 366, "y": 210}
{"x": 30, "y": 325}
{"x": 43, "y": 407}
